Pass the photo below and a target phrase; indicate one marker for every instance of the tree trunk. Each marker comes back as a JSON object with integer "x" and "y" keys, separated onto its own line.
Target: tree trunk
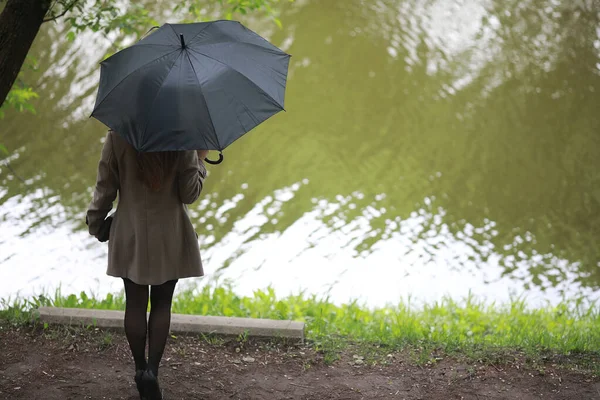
{"x": 19, "y": 24}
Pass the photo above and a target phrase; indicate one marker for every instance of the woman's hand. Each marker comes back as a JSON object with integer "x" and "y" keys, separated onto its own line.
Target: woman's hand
{"x": 202, "y": 154}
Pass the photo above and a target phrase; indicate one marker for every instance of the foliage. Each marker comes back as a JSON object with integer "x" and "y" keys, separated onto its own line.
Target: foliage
{"x": 467, "y": 326}
{"x": 107, "y": 16}
{"x": 21, "y": 94}
{"x": 110, "y": 16}
{"x": 19, "y": 99}
{"x": 132, "y": 19}
{"x": 231, "y": 7}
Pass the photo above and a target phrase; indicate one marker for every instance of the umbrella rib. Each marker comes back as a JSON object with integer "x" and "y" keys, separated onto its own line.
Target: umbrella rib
{"x": 156, "y": 96}
{"x": 151, "y": 44}
{"x": 266, "y": 42}
{"x": 173, "y": 29}
{"x": 126, "y": 76}
{"x": 266, "y": 68}
{"x": 276, "y": 50}
{"x": 205, "y": 102}
{"x": 238, "y": 72}
{"x": 250, "y": 58}
{"x": 196, "y": 35}
{"x": 133, "y": 45}
{"x": 255, "y": 120}
{"x": 140, "y": 45}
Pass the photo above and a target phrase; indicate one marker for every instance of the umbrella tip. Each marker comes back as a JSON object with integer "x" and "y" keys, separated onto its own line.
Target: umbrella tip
{"x": 182, "y": 41}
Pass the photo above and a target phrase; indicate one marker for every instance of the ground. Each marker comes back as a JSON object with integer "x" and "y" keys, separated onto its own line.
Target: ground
{"x": 61, "y": 363}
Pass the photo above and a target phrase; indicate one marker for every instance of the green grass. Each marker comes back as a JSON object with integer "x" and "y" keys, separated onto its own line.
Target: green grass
{"x": 470, "y": 327}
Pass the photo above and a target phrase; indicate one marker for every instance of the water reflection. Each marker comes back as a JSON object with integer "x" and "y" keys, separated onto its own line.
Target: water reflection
{"x": 413, "y": 258}
{"x": 425, "y": 261}
{"x": 429, "y": 147}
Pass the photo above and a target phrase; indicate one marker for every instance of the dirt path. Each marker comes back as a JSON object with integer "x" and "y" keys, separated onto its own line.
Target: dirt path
{"x": 66, "y": 364}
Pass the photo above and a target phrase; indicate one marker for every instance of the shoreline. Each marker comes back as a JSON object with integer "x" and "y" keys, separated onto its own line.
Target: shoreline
{"x": 469, "y": 328}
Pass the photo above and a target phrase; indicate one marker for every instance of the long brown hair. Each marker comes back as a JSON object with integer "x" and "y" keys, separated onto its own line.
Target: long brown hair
{"x": 155, "y": 167}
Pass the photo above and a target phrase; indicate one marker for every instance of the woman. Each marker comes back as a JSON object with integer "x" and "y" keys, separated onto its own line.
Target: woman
{"x": 152, "y": 240}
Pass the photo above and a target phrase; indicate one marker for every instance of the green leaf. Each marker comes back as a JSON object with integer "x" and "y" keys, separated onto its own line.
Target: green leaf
{"x": 3, "y": 149}
{"x": 71, "y": 36}
{"x": 32, "y": 61}
{"x": 29, "y": 108}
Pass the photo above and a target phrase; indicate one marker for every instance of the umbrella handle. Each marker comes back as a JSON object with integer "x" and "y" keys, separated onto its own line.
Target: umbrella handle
{"x": 219, "y": 161}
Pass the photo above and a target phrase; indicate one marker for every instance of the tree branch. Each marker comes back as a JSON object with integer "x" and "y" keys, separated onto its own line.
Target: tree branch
{"x": 10, "y": 168}
{"x": 62, "y": 14}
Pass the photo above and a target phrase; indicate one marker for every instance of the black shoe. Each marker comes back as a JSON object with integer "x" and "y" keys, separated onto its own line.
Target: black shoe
{"x": 151, "y": 387}
{"x": 139, "y": 374}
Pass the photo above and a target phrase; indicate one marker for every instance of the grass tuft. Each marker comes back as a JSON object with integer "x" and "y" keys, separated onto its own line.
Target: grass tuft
{"x": 470, "y": 327}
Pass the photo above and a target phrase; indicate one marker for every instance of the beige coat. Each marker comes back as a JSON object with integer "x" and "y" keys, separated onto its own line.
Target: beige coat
{"x": 152, "y": 239}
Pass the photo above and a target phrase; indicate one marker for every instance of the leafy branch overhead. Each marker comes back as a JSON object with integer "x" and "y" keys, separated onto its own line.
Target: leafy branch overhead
{"x": 21, "y": 94}
{"x": 108, "y": 16}
{"x": 19, "y": 99}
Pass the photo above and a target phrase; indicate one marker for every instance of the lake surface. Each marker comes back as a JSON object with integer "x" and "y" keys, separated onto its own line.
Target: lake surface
{"x": 429, "y": 148}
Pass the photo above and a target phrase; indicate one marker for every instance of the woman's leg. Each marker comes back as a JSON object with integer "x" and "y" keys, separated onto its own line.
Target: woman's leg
{"x": 159, "y": 323}
{"x": 136, "y": 305}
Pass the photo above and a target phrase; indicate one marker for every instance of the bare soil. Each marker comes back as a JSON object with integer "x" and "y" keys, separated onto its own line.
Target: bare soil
{"x": 64, "y": 363}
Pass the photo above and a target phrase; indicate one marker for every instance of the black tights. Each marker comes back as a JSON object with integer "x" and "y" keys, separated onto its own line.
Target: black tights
{"x": 157, "y": 326}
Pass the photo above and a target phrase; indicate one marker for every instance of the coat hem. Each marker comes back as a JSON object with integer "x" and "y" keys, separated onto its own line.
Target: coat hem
{"x": 155, "y": 283}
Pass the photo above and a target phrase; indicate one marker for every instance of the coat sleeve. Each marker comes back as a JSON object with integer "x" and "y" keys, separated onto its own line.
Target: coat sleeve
{"x": 190, "y": 177}
{"x": 107, "y": 186}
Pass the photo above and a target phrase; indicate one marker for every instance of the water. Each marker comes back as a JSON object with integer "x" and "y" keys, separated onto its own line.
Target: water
{"x": 430, "y": 148}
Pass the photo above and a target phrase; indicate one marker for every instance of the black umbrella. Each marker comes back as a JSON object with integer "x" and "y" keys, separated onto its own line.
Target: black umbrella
{"x": 197, "y": 86}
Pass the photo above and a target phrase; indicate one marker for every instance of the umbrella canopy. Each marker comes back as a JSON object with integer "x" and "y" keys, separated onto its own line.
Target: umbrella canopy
{"x": 191, "y": 86}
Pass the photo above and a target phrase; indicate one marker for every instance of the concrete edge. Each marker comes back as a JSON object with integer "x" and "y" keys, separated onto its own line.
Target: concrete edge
{"x": 180, "y": 323}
